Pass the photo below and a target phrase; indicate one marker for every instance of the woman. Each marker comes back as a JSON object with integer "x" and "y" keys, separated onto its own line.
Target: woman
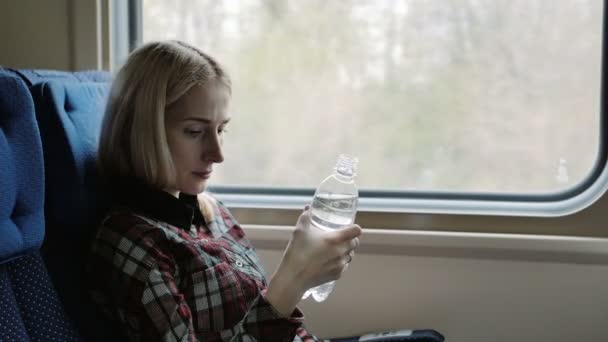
{"x": 169, "y": 262}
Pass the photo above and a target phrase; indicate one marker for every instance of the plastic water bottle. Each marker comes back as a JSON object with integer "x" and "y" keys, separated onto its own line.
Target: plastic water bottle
{"x": 335, "y": 205}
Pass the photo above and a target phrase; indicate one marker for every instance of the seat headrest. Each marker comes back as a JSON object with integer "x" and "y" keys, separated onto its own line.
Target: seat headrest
{"x": 35, "y": 76}
{"x": 69, "y": 115}
{"x": 21, "y": 171}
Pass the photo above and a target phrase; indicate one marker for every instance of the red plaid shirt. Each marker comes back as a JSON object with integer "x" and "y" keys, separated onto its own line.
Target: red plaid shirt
{"x": 165, "y": 274}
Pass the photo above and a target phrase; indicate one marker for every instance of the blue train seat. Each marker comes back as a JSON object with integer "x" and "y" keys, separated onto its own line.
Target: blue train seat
{"x": 69, "y": 109}
{"x": 30, "y": 309}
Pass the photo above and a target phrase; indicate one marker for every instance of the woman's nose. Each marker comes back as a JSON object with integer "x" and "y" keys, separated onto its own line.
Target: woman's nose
{"x": 214, "y": 151}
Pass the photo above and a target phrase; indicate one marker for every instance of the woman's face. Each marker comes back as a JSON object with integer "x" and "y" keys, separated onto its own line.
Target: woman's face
{"x": 195, "y": 124}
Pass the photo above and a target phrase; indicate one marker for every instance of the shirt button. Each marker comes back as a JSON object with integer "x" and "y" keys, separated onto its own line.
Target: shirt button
{"x": 239, "y": 264}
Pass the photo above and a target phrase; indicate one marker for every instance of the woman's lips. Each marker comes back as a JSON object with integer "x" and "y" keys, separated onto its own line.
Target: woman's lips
{"x": 203, "y": 175}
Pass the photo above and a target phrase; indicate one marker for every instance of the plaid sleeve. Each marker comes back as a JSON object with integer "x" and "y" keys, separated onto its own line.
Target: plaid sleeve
{"x": 305, "y": 336}
{"x": 172, "y": 319}
{"x": 263, "y": 323}
{"x": 165, "y": 308}
{"x": 136, "y": 283}
{"x": 143, "y": 288}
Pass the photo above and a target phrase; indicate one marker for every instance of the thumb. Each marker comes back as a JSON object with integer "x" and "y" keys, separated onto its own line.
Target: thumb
{"x": 304, "y": 219}
{"x": 349, "y": 232}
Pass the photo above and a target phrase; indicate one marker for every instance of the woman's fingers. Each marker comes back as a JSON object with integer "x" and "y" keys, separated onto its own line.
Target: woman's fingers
{"x": 340, "y": 261}
{"x": 350, "y": 232}
{"x": 321, "y": 255}
{"x": 353, "y": 244}
{"x": 344, "y": 248}
{"x": 343, "y": 264}
{"x": 348, "y": 247}
{"x": 345, "y": 234}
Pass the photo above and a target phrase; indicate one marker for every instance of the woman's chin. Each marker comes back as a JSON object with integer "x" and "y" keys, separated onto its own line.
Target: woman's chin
{"x": 194, "y": 187}
{"x": 199, "y": 187}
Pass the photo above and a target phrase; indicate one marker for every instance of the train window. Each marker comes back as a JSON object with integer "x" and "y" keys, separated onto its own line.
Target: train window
{"x": 443, "y": 98}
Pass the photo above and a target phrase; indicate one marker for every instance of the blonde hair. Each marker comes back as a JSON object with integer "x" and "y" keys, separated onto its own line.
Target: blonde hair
{"x": 133, "y": 141}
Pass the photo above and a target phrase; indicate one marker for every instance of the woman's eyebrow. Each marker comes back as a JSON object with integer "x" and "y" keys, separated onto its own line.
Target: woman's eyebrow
{"x": 207, "y": 121}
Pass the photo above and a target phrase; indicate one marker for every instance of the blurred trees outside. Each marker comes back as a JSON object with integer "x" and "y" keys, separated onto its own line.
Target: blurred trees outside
{"x": 449, "y": 95}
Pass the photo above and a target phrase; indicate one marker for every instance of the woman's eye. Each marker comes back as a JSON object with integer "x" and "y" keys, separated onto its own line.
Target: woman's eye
{"x": 193, "y": 132}
{"x": 222, "y": 131}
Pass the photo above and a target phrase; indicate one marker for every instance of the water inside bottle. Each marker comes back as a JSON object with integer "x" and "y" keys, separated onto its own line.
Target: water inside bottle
{"x": 332, "y": 211}
{"x": 321, "y": 292}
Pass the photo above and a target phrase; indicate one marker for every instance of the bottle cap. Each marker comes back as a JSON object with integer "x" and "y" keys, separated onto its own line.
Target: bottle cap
{"x": 347, "y": 165}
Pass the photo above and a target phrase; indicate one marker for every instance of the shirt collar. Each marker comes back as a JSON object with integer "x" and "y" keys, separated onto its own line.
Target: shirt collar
{"x": 159, "y": 205}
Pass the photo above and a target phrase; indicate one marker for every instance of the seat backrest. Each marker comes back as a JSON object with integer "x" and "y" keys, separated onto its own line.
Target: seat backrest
{"x": 69, "y": 115}
{"x": 69, "y": 109}
{"x": 29, "y": 305}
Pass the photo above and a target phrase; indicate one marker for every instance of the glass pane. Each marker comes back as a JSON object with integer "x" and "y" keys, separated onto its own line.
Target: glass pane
{"x": 499, "y": 96}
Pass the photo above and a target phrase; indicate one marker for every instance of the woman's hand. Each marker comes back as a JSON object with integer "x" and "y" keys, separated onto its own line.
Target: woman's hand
{"x": 312, "y": 257}
{"x": 317, "y": 256}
